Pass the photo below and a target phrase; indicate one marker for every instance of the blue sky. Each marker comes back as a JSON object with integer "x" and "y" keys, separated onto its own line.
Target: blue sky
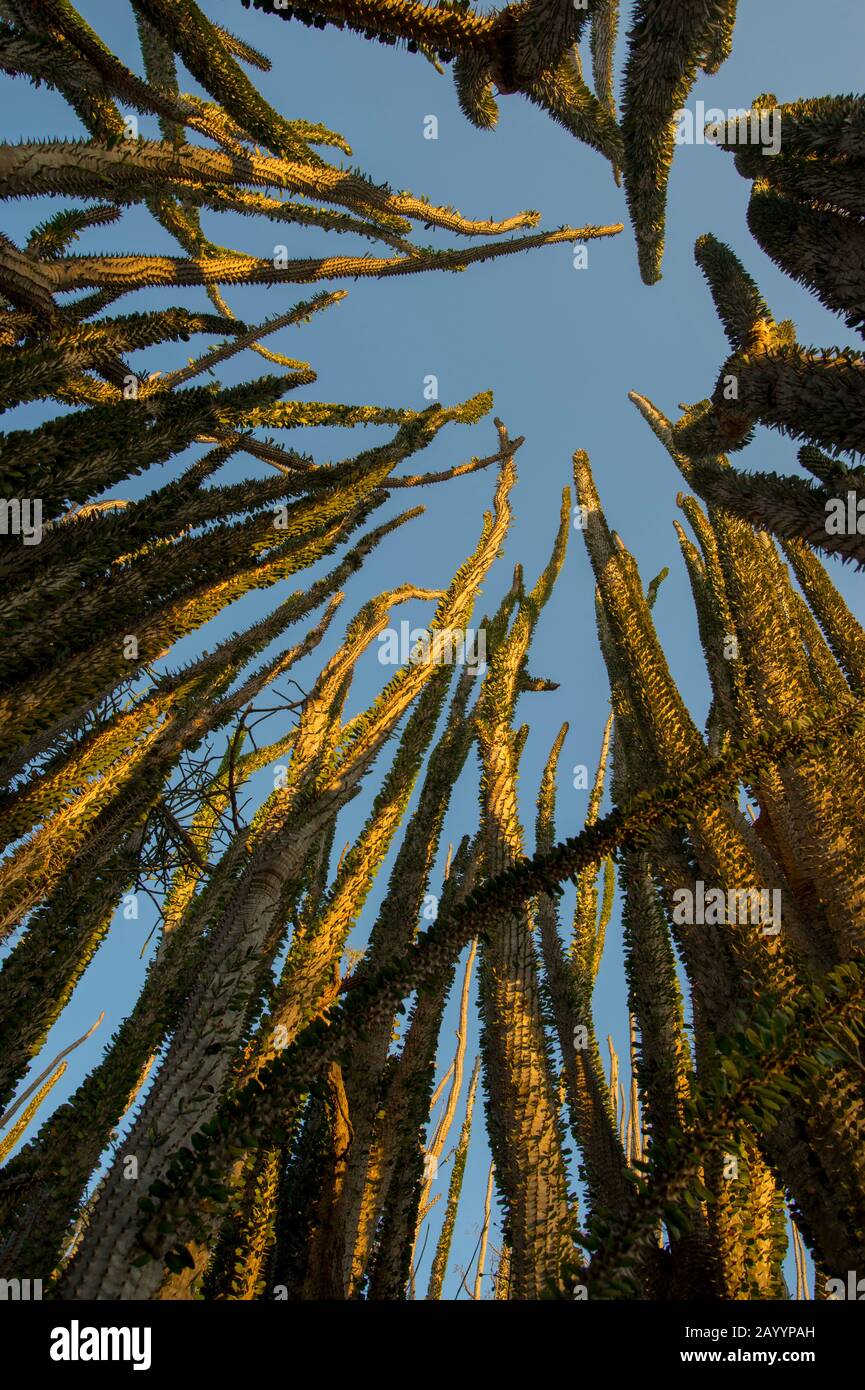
{"x": 559, "y": 347}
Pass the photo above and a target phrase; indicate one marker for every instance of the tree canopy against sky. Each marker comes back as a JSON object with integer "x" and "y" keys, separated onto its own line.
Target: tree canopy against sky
{"x": 402, "y": 323}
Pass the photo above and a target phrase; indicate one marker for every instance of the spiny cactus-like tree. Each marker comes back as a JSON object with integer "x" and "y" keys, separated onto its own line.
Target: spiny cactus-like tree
{"x": 806, "y": 211}
{"x": 767, "y": 662}
{"x": 127, "y": 425}
{"x": 440, "y": 1260}
{"x": 249, "y": 898}
{"x": 569, "y": 981}
{"x": 247, "y": 1165}
{"x": 807, "y": 206}
{"x": 257, "y": 1113}
{"x": 532, "y": 48}
{"x": 285, "y": 1139}
{"x": 157, "y": 569}
{"x": 104, "y": 775}
{"x": 522, "y": 1111}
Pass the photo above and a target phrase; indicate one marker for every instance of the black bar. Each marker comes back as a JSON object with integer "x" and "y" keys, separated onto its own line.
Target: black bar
{"x": 261, "y": 1339}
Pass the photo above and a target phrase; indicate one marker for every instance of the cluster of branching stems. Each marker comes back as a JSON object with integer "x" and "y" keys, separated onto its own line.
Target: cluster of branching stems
{"x": 265, "y": 1122}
